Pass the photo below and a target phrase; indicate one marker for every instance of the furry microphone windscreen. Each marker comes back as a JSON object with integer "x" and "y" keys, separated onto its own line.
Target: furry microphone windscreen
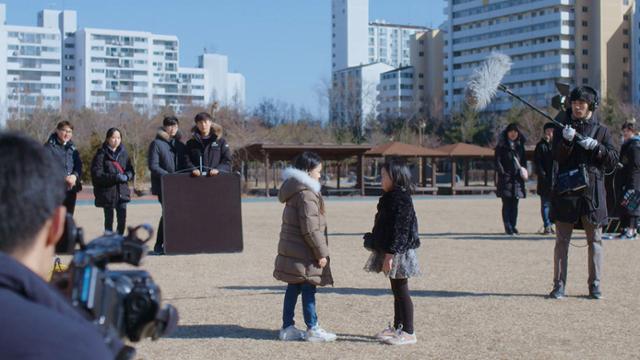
{"x": 485, "y": 79}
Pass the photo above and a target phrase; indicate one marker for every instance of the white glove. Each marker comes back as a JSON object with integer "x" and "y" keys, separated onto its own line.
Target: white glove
{"x": 568, "y": 133}
{"x": 588, "y": 143}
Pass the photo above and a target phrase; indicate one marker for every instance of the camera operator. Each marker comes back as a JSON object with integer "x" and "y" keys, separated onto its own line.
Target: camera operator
{"x": 38, "y": 323}
{"x": 579, "y": 197}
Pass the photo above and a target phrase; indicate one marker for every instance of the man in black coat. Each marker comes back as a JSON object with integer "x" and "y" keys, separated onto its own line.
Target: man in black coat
{"x": 543, "y": 159}
{"x": 588, "y": 157}
{"x": 37, "y": 322}
{"x": 166, "y": 156}
{"x": 629, "y": 177}
{"x": 208, "y": 148}
{"x": 68, "y": 157}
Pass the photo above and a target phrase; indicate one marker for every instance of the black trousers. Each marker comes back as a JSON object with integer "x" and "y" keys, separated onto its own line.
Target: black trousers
{"x": 121, "y": 215}
{"x": 402, "y": 305}
{"x": 509, "y": 213}
{"x": 159, "y": 246}
{"x": 70, "y": 201}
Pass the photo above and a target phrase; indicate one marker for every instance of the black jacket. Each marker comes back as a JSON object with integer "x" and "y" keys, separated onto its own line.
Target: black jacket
{"x": 165, "y": 156}
{"x": 68, "y": 157}
{"x": 38, "y": 323}
{"x": 396, "y": 226}
{"x": 108, "y": 191}
{"x": 590, "y": 202}
{"x": 510, "y": 183}
{"x": 214, "y": 151}
{"x": 543, "y": 159}
{"x": 629, "y": 176}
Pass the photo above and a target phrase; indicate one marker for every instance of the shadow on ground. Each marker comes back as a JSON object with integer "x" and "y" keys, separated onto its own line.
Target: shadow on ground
{"x": 383, "y": 292}
{"x": 469, "y": 236}
{"x": 222, "y": 331}
{"x": 227, "y": 331}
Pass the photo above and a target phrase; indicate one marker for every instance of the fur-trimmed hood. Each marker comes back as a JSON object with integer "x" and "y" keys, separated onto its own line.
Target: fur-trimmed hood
{"x": 216, "y": 129}
{"x": 163, "y": 135}
{"x": 295, "y": 181}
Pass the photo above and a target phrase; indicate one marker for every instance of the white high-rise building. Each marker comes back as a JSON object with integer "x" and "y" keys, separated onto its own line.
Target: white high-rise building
{"x": 538, "y": 35}
{"x": 56, "y": 64}
{"x": 349, "y": 21}
{"x": 391, "y": 43}
{"x": 356, "y": 41}
{"x": 30, "y": 69}
{"x": 355, "y": 95}
{"x": 574, "y": 41}
{"x": 396, "y": 98}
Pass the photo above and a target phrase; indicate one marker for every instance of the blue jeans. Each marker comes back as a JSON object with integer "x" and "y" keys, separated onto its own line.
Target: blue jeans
{"x": 545, "y": 208}
{"x": 308, "y": 304}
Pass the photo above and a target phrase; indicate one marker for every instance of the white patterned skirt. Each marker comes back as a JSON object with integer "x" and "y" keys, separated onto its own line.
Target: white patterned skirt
{"x": 404, "y": 266}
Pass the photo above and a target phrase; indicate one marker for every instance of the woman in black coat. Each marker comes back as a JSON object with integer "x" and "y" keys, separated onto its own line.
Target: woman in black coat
{"x": 111, "y": 171}
{"x": 511, "y": 165}
{"x": 629, "y": 177}
{"x": 63, "y": 149}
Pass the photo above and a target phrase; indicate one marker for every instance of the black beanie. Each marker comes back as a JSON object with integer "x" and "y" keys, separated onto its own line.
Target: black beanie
{"x": 583, "y": 93}
{"x": 549, "y": 125}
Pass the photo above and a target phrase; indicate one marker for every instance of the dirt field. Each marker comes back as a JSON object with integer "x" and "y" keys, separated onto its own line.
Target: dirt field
{"x": 482, "y": 295}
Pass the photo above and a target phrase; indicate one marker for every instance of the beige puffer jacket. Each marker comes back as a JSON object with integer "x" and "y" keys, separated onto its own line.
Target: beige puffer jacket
{"x": 303, "y": 236}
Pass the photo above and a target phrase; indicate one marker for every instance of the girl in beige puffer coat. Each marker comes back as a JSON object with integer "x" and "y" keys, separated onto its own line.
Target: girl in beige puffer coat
{"x": 303, "y": 249}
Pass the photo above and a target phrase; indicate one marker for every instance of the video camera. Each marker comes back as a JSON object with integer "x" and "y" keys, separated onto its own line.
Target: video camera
{"x": 560, "y": 102}
{"x": 122, "y": 303}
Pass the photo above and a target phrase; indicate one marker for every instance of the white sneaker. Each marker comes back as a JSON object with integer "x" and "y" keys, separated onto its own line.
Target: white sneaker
{"x": 318, "y": 334}
{"x": 291, "y": 333}
{"x": 402, "y": 338}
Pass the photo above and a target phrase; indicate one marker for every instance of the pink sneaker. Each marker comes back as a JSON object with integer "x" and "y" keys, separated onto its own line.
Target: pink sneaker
{"x": 387, "y": 333}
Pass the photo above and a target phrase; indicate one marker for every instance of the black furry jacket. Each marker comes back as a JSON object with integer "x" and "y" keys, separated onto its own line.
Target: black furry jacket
{"x": 396, "y": 226}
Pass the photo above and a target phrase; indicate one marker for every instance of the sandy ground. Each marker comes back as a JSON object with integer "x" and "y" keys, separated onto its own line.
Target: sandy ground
{"x": 482, "y": 295}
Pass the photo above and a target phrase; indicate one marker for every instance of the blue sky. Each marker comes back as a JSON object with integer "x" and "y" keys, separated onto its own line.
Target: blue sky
{"x": 283, "y": 47}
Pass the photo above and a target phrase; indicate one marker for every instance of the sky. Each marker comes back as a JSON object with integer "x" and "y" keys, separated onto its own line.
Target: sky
{"x": 282, "y": 47}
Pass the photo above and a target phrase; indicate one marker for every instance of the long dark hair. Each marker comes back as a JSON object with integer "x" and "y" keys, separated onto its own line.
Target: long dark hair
{"x": 399, "y": 173}
{"x": 307, "y": 161}
{"x": 110, "y": 134}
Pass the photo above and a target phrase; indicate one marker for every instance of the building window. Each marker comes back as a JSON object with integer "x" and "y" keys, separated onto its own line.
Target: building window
{"x": 585, "y": 23}
{"x": 421, "y": 53}
{"x": 585, "y": 81}
{"x": 585, "y": 51}
{"x": 585, "y": 9}
{"x": 625, "y": 45}
{"x": 625, "y": 60}
{"x": 625, "y": 31}
{"x": 585, "y": 66}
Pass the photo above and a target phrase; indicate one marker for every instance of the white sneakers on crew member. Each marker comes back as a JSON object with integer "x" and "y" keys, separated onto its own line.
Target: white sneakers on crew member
{"x": 318, "y": 334}
{"x": 291, "y": 333}
{"x": 391, "y": 336}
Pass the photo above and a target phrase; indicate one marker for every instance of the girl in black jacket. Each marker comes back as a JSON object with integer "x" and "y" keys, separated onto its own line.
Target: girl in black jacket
{"x": 111, "y": 171}
{"x": 511, "y": 165}
{"x": 393, "y": 242}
